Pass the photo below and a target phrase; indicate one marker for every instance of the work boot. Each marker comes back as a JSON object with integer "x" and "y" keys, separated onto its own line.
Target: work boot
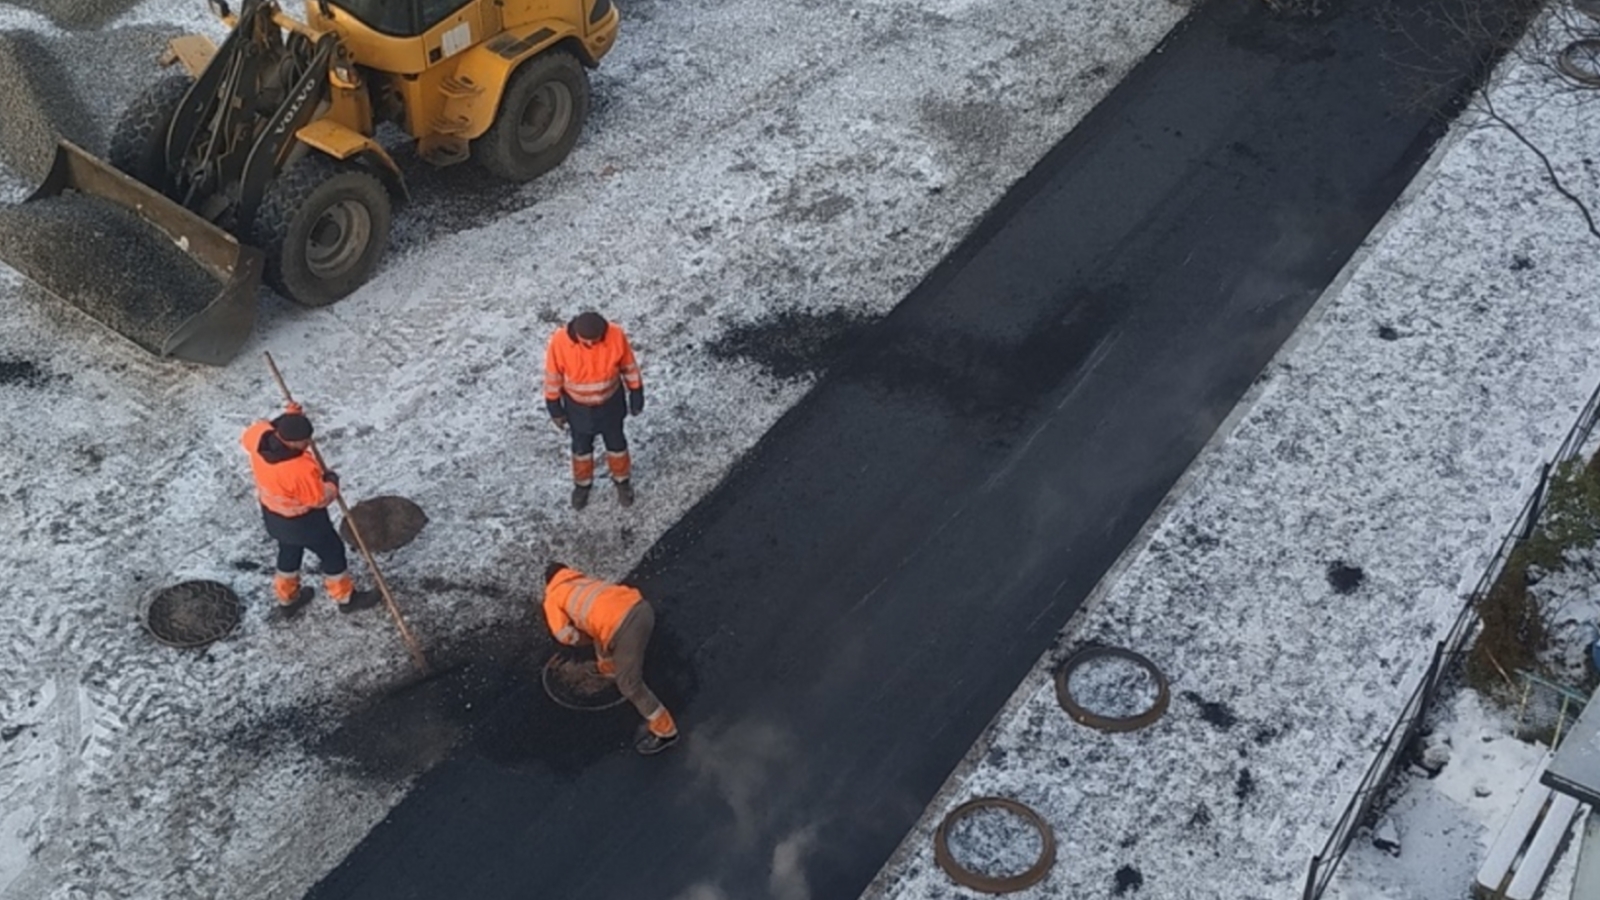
{"x": 359, "y": 600}
{"x": 624, "y": 493}
{"x": 294, "y": 606}
{"x": 580, "y": 496}
{"x": 653, "y": 743}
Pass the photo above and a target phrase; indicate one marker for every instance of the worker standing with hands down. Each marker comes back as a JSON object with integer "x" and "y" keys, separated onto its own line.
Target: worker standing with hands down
{"x": 295, "y": 491}
{"x": 619, "y": 621}
{"x": 587, "y": 365}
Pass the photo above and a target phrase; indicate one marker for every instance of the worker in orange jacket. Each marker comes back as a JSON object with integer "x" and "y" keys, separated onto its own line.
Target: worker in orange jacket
{"x": 587, "y": 365}
{"x": 618, "y": 620}
{"x": 295, "y": 491}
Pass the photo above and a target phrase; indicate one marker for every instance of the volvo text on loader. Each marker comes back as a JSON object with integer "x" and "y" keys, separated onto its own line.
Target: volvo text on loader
{"x": 258, "y": 159}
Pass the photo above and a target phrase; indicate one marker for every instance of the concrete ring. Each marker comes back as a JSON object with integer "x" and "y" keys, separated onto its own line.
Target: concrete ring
{"x": 990, "y": 884}
{"x": 1111, "y": 723}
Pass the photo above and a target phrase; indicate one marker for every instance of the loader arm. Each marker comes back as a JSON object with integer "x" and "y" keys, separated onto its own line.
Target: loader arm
{"x": 233, "y": 130}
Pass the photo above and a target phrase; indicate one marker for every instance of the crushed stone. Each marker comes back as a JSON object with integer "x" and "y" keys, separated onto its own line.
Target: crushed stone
{"x": 71, "y": 14}
{"x": 34, "y": 110}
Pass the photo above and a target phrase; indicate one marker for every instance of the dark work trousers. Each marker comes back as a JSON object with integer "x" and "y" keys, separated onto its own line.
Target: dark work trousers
{"x": 605, "y": 421}
{"x": 312, "y": 531}
{"x": 627, "y": 651}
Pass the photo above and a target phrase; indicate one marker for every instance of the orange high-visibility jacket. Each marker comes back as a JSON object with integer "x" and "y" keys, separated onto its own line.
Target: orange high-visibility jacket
{"x": 589, "y": 375}
{"x": 290, "y": 487}
{"x": 594, "y": 607}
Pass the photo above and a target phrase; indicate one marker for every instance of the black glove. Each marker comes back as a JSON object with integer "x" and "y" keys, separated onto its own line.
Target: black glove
{"x": 636, "y": 401}
{"x": 331, "y": 478}
{"x": 553, "y": 407}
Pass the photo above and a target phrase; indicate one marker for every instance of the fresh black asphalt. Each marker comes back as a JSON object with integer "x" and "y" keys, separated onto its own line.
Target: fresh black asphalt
{"x": 844, "y": 615}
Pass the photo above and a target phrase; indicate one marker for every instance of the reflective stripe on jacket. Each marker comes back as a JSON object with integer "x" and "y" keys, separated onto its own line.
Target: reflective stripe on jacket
{"x": 290, "y": 486}
{"x": 589, "y": 375}
{"x": 594, "y": 607}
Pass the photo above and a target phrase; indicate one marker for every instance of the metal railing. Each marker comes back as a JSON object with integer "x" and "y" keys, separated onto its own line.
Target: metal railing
{"x": 1446, "y": 653}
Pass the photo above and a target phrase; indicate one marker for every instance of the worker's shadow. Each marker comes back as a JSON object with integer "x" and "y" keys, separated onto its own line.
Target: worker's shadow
{"x": 529, "y": 729}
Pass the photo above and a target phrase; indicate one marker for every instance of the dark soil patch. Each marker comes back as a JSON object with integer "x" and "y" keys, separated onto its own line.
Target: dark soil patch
{"x": 433, "y": 584}
{"x": 1345, "y": 578}
{"x": 247, "y": 565}
{"x": 23, "y": 372}
{"x": 386, "y": 523}
{"x": 1388, "y": 333}
{"x": 1245, "y": 785}
{"x": 1218, "y": 714}
{"x": 1128, "y": 879}
{"x": 793, "y": 344}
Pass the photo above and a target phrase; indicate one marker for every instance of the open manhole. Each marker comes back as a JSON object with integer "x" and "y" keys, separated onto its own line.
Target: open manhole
{"x": 386, "y": 523}
{"x": 191, "y": 613}
{"x": 1112, "y": 689}
{"x": 994, "y": 845}
{"x": 577, "y": 684}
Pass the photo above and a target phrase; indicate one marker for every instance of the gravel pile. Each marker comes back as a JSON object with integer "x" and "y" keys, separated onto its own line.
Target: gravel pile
{"x": 78, "y": 13}
{"x": 34, "y": 108}
{"x": 107, "y": 262}
{"x": 109, "y": 69}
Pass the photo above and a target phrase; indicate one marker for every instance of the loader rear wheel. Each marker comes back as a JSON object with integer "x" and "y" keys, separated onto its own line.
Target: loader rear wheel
{"x": 139, "y": 139}
{"x": 324, "y": 225}
{"x": 541, "y": 115}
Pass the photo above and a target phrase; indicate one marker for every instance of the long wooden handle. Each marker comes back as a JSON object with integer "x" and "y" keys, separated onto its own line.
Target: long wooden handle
{"x": 355, "y": 531}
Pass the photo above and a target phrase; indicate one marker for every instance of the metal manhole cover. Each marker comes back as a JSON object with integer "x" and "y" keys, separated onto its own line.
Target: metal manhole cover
{"x": 576, "y": 684}
{"x": 191, "y": 613}
{"x": 1112, "y": 689}
{"x": 386, "y": 523}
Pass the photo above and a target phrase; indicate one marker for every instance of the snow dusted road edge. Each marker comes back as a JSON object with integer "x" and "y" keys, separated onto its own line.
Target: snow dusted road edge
{"x": 1399, "y": 432}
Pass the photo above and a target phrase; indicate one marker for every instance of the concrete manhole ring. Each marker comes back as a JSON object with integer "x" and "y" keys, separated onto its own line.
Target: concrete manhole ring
{"x": 1084, "y": 716}
{"x": 191, "y": 613}
{"x": 995, "y": 884}
{"x": 576, "y": 684}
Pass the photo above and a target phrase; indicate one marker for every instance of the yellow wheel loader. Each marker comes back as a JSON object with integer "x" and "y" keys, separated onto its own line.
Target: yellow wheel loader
{"x": 258, "y": 158}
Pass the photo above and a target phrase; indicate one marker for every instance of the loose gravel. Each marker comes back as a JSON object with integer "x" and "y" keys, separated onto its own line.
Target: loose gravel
{"x": 71, "y": 14}
{"x": 34, "y": 109}
{"x": 107, "y": 262}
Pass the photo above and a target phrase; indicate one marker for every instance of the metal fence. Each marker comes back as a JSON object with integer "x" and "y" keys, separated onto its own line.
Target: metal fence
{"x": 1446, "y": 653}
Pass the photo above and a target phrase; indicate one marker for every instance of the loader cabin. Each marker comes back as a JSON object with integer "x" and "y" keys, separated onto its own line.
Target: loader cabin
{"x": 432, "y": 31}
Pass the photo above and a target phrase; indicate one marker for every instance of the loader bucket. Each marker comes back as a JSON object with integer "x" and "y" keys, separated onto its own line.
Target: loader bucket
{"x": 134, "y": 260}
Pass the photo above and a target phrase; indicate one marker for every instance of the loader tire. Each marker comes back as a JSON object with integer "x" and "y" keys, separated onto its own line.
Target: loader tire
{"x": 541, "y": 115}
{"x": 139, "y": 139}
{"x": 323, "y": 225}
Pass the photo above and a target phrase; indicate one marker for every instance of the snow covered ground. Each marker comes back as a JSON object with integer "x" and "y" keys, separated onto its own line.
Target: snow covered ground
{"x": 746, "y": 159}
{"x": 1398, "y": 433}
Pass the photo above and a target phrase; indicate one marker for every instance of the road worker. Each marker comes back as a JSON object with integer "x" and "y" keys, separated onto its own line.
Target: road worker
{"x": 587, "y": 366}
{"x": 618, "y": 620}
{"x": 295, "y": 490}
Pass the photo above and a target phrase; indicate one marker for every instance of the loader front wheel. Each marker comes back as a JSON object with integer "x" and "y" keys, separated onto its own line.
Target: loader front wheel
{"x": 139, "y": 139}
{"x": 324, "y": 226}
{"x": 541, "y": 114}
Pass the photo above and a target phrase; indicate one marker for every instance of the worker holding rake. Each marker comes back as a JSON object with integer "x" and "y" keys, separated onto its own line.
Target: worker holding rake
{"x": 295, "y": 492}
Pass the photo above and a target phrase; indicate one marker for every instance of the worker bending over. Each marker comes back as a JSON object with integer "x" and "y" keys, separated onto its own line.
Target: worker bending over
{"x": 619, "y": 621}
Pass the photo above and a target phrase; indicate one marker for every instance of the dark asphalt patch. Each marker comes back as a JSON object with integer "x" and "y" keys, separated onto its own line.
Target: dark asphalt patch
{"x": 793, "y": 344}
{"x": 22, "y": 372}
{"x": 1345, "y": 578}
{"x": 1218, "y": 714}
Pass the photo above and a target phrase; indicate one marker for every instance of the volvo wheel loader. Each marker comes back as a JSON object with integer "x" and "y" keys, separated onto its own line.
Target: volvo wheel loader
{"x": 258, "y": 158}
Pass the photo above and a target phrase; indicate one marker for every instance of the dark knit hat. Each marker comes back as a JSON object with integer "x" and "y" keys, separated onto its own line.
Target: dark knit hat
{"x": 591, "y": 326}
{"x": 292, "y": 427}
{"x": 552, "y": 570}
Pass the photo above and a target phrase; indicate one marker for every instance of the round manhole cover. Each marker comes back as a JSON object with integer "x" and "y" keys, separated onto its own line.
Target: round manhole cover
{"x": 386, "y": 523}
{"x": 1112, "y": 689}
{"x": 192, "y": 613}
{"x": 994, "y": 845}
{"x": 577, "y": 684}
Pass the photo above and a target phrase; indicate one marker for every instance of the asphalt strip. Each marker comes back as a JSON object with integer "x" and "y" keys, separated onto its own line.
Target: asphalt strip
{"x": 843, "y": 616}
